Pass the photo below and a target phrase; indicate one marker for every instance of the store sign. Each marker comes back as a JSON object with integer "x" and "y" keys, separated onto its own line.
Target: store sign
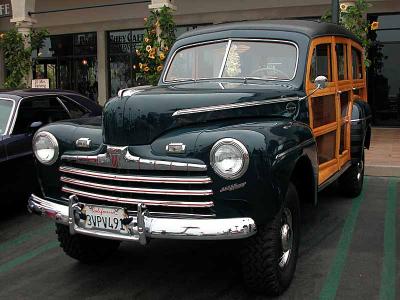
{"x": 40, "y": 84}
{"x": 5, "y": 8}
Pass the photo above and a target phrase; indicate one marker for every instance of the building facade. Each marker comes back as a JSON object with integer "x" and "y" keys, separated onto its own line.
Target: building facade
{"x": 91, "y": 47}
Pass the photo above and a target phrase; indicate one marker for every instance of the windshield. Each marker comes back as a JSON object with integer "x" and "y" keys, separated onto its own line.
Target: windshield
{"x": 6, "y": 107}
{"x": 235, "y": 59}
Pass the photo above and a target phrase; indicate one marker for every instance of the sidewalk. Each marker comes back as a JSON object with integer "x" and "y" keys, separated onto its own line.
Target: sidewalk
{"x": 383, "y": 157}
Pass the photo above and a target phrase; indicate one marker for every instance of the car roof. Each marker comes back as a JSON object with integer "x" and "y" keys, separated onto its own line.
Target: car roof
{"x": 312, "y": 29}
{"x": 19, "y": 94}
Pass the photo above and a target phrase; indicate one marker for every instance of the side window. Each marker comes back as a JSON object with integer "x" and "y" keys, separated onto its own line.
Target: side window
{"x": 356, "y": 58}
{"x": 75, "y": 110}
{"x": 45, "y": 109}
{"x": 321, "y": 62}
{"x": 341, "y": 56}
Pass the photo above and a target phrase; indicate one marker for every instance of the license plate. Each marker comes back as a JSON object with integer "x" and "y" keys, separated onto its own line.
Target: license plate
{"x": 105, "y": 218}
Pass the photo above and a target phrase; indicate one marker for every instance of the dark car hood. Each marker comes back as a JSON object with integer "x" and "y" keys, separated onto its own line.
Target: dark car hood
{"x": 142, "y": 117}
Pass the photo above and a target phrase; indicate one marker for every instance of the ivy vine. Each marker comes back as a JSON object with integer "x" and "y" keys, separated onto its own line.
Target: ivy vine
{"x": 352, "y": 17}
{"x": 18, "y": 59}
{"x": 158, "y": 39}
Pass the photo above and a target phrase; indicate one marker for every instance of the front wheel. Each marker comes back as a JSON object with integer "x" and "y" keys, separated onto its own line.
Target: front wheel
{"x": 85, "y": 248}
{"x": 269, "y": 258}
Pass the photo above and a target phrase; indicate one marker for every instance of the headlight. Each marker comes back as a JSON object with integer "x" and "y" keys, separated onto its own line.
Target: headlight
{"x": 45, "y": 147}
{"x": 229, "y": 158}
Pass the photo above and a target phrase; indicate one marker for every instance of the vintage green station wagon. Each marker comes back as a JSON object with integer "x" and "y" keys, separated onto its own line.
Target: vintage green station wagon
{"x": 248, "y": 120}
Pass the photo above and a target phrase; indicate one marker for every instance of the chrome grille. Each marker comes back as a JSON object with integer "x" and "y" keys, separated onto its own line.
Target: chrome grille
{"x": 179, "y": 189}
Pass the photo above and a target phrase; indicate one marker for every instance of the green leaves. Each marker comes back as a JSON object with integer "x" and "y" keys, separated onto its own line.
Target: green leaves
{"x": 17, "y": 56}
{"x": 158, "y": 39}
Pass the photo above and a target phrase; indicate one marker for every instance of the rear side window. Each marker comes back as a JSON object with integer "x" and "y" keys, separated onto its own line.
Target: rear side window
{"x": 46, "y": 109}
{"x": 356, "y": 58}
{"x": 321, "y": 62}
{"x": 341, "y": 56}
{"x": 75, "y": 110}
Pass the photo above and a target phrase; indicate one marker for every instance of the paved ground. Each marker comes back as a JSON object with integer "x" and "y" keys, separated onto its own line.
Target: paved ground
{"x": 348, "y": 252}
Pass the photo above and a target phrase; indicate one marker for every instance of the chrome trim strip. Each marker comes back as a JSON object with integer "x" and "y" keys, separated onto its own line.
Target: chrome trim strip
{"x": 361, "y": 119}
{"x": 137, "y": 178}
{"x": 231, "y": 106}
{"x": 11, "y": 117}
{"x": 121, "y": 158}
{"x": 126, "y": 189}
{"x": 137, "y": 201}
{"x": 301, "y": 145}
{"x": 143, "y": 227}
{"x": 232, "y": 39}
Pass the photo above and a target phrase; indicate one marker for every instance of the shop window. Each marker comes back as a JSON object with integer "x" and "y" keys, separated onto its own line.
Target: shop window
{"x": 356, "y": 63}
{"x": 324, "y": 110}
{"x": 341, "y": 56}
{"x": 321, "y": 62}
{"x": 326, "y": 145}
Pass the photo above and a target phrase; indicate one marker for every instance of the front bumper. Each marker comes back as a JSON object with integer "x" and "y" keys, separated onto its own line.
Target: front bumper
{"x": 143, "y": 227}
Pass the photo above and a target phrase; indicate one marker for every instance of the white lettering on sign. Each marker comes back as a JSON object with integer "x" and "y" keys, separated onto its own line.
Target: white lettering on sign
{"x": 5, "y": 10}
{"x": 40, "y": 84}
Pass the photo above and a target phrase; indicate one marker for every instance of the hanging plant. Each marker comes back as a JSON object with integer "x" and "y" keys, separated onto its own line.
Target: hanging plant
{"x": 158, "y": 39}
{"x": 18, "y": 59}
{"x": 352, "y": 17}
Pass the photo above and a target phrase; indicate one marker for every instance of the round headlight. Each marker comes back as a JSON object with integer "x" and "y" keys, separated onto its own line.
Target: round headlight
{"x": 229, "y": 158}
{"x": 45, "y": 147}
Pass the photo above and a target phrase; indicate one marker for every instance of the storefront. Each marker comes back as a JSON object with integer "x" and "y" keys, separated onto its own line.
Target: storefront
{"x": 384, "y": 73}
{"x": 91, "y": 47}
{"x": 69, "y": 61}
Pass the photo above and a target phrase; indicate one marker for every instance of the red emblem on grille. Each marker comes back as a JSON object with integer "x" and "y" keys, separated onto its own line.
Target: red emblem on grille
{"x": 114, "y": 154}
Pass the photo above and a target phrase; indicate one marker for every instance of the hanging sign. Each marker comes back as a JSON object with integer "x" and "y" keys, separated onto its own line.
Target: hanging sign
{"x": 5, "y": 8}
{"x": 40, "y": 84}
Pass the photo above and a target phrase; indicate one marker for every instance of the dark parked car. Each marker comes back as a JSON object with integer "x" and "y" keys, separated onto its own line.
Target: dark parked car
{"x": 247, "y": 120}
{"x": 22, "y": 112}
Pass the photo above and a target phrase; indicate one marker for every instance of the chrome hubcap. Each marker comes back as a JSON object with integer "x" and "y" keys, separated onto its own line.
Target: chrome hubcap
{"x": 286, "y": 238}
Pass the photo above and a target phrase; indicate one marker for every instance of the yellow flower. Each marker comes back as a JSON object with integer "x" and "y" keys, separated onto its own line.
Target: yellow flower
{"x": 151, "y": 56}
{"x": 162, "y": 55}
{"x": 2, "y": 35}
{"x": 146, "y": 40}
{"x": 146, "y": 69}
{"x": 140, "y": 66}
{"x": 159, "y": 68}
{"x": 153, "y": 31}
{"x": 374, "y": 25}
{"x": 157, "y": 23}
{"x": 137, "y": 52}
{"x": 148, "y": 48}
{"x": 343, "y": 7}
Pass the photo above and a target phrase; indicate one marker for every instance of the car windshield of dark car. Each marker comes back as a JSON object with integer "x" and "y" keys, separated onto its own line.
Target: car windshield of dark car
{"x": 267, "y": 60}
{"x": 6, "y": 107}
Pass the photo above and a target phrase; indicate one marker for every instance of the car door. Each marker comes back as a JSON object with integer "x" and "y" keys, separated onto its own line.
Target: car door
{"x": 323, "y": 105}
{"x": 45, "y": 109}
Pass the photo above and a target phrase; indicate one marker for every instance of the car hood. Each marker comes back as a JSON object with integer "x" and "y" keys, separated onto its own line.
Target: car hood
{"x": 139, "y": 119}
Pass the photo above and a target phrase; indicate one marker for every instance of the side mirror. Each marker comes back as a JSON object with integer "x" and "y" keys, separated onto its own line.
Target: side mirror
{"x": 321, "y": 82}
{"x": 35, "y": 126}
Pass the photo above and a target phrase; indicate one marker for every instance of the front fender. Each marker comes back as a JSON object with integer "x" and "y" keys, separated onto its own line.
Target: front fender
{"x": 274, "y": 148}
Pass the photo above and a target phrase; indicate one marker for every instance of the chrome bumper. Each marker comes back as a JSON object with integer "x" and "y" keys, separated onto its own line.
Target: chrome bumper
{"x": 142, "y": 227}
